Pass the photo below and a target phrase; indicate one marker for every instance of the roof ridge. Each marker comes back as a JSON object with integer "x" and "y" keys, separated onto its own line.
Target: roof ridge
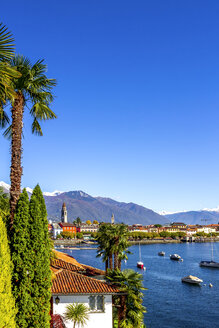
{"x": 87, "y": 277}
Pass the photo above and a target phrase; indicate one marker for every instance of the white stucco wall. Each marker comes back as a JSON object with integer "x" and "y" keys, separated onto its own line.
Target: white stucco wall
{"x": 96, "y": 319}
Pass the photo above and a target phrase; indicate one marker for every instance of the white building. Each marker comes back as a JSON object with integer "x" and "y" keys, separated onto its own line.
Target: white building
{"x": 72, "y": 285}
{"x": 206, "y": 229}
{"x": 56, "y": 230}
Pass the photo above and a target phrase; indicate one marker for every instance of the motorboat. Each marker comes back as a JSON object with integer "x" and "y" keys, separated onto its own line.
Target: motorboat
{"x": 140, "y": 264}
{"x": 161, "y": 253}
{"x": 192, "y": 280}
{"x": 210, "y": 264}
{"x": 175, "y": 257}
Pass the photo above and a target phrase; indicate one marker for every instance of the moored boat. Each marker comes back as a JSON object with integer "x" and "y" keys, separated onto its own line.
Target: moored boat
{"x": 175, "y": 257}
{"x": 210, "y": 264}
{"x": 192, "y": 280}
{"x": 140, "y": 264}
{"x": 161, "y": 253}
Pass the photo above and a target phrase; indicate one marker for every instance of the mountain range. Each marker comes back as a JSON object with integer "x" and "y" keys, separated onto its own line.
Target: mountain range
{"x": 80, "y": 204}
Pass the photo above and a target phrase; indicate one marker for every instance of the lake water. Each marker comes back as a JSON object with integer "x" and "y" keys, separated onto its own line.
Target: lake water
{"x": 171, "y": 303}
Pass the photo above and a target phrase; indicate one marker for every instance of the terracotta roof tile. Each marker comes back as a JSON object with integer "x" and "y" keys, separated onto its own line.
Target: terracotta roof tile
{"x": 57, "y": 263}
{"x": 93, "y": 271}
{"x": 67, "y": 282}
{"x": 67, "y": 258}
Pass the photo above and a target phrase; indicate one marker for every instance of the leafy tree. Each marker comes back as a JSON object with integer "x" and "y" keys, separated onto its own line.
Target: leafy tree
{"x": 79, "y": 235}
{"x": 88, "y": 222}
{"x": 4, "y": 203}
{"x": 40, "y": 248}
{"x": 20, "y": 250}
{"x": 181, "y": 234}
{"x": 78, "y": 221}
{"x": 77, "y": 313}
{"x": 164, "y": 234}
{"x": 94, "y": 234}
{"x": 67, "y": 235}
{"x": 7, "y": 302}
{"x": 131, "y": 308}
{"x": 95, "y": 222}
{"x": 33, "y": 92}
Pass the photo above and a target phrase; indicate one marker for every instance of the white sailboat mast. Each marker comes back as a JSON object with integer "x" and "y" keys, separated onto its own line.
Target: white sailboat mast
{"x": 139, "y": 252}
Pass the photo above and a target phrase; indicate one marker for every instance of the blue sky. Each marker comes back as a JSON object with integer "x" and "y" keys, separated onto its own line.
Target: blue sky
{"x": 137, "y": 99}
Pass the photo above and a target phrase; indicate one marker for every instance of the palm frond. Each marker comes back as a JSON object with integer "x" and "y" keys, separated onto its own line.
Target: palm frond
{"x": 36, "y": 128}
{"x": 8, "y": 133}
{"x": 6, "y": 43}
{"x": 42, "y": 112}
{"x": 4, "y": 119}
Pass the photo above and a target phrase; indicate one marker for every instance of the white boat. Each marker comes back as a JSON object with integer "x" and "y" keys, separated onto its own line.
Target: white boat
{"x": 192, "y": 280}
{"x": 161, "y": 253}
{"x": 140, "y": 264}
{"x": 175, "y": 257}
{"x": 212, "y": 263}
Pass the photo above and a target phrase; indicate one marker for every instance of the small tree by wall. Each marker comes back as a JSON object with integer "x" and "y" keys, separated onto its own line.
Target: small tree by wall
{"x": 7, "y": 303}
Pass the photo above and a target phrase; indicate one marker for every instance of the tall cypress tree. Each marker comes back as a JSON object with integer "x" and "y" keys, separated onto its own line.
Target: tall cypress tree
{"x": 7, "y": 302}
{"x": 40, "y": 247}
{"x": 21, "y": 258}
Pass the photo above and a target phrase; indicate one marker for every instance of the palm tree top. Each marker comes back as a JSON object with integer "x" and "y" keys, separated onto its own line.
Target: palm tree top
{"x": 77, "y": 313}
{"x": 36, "y": 91}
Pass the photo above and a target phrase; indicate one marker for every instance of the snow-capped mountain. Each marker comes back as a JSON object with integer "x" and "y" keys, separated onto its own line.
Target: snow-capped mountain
{"x": 87, "y": 207}
{"x": 6, "y": 188}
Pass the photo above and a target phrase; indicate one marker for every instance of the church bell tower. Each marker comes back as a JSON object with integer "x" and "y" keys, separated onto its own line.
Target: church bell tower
{"x": 64, "y": 217}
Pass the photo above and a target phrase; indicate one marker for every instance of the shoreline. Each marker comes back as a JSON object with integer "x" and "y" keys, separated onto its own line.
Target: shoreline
{"x": 76, "y": 242}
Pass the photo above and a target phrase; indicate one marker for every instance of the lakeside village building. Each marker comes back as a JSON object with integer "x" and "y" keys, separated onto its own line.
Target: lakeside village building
{"x": 64, "y": 225}
{"x": 78, "y": 283}
{"x": 190, "y": 230}
{"x": 176, "y": 227}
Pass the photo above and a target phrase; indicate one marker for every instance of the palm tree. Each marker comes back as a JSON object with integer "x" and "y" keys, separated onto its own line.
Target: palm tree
{"x": 33, "y": 92}
{"x": 130, "y": 313}
{"x": 113, "y": 240}
{"x": 78, "y": 313}
{"x": 120, "y": 245}
{"x": 105, "y": 243}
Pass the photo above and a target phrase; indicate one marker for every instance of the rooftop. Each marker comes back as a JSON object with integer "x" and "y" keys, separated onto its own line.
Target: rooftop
{"x": 68, "y": 282}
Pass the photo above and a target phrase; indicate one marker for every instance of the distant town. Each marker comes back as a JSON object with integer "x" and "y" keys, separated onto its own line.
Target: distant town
{"x": 88, "y": 230}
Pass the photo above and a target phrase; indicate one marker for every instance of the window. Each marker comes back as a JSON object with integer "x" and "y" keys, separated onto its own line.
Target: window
{"x": 92, "y": 303}
{"x": 96, "y": 303}
{"x": 100, "y": 303}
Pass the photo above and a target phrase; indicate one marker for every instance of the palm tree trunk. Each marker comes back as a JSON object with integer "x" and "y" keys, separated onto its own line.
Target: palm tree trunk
{"x": 122, "y": 310}
{"x": 16, "y": 153}
{"x": 119, "y": 264}
{"x": 74, "y": 325}
{"x": 115, "y": 260}
{"x": 111, "y": 261}
{"x": 107, "y": 265}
